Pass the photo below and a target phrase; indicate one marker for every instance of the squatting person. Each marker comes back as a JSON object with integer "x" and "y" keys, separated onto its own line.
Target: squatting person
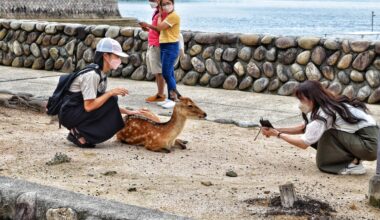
{"x": 89, "y": 111}
{"x": 339, "y": 128}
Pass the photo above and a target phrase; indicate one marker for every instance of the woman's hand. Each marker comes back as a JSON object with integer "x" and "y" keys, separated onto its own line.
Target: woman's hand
{"x": 119, "y": 91}
{"x": 160, "y": 10}
{"x": 143, "y": 24}
{"x": 269, "y": 132}
{"x": 291, "y": 139}
{"x": 135, "y": 112}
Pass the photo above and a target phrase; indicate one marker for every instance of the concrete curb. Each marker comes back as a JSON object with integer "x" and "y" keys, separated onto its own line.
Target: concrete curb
{"x": 25, "y": 200}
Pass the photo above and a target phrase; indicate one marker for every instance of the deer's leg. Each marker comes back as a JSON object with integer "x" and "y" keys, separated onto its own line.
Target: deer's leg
{"x": 158, "y": 149}
{"x": 181, "y": 143}
{"x": 165, "y": 150}
{"x": 121, "y": 135}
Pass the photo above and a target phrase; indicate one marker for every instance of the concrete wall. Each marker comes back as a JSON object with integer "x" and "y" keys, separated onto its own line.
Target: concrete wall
{"x": 249, "y": 62}
{"x": 59, "y": 9}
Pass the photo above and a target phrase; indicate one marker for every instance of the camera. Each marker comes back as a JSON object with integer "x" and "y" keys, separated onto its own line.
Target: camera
{"x": 265, "y": 123}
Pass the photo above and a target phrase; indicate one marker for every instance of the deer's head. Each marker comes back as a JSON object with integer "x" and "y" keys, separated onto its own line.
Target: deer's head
{"x": 185, "y": 106}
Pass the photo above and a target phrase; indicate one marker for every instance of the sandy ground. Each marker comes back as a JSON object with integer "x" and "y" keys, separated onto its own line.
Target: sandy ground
{"x": 172, "y": 182}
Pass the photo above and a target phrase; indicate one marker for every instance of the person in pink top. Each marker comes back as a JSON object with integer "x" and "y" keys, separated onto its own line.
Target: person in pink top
{"x": 153, "y": 59}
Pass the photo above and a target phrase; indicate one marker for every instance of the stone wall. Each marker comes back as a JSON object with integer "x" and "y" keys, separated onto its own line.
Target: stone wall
{"x": 59, "y": 9}
{"x": 247, "y": 62}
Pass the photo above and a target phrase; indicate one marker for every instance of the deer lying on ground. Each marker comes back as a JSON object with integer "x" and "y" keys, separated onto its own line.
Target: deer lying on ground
{"x": 156, "y": 136}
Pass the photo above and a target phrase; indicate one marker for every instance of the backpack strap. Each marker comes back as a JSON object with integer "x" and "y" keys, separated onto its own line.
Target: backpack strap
{"x": 86, "y": 69}
{"x": 96, "y": 68}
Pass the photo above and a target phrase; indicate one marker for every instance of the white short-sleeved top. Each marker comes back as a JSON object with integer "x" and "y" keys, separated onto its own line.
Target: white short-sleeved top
{"x": 88, "y": 84}
{"x": 315, "y": 129}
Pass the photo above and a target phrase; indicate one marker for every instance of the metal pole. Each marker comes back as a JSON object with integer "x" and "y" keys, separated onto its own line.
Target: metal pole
{"x": 373, "y": 15}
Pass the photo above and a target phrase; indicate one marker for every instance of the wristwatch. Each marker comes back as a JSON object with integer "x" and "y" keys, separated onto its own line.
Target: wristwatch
{"x": 278, "y": 135}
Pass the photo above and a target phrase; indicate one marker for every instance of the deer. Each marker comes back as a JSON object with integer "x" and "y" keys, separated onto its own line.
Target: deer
{"x": 159, "y": 136}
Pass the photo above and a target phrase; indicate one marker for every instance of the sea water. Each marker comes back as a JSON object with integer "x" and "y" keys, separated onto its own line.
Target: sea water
{"x": 276, "y": 17}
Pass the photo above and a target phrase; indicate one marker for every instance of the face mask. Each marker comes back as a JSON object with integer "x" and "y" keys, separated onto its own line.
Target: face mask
{"x": 153, "y": 4}
{"x": 304, "y": 108}
{"x": 168, "y": 8}
{"x": 114, "y": 63}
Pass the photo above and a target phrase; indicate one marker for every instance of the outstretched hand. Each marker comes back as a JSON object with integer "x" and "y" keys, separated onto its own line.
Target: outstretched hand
{"x": 269, "y": 131}
{"x": 137, "y": 112}
{"x": 119, "y": 91}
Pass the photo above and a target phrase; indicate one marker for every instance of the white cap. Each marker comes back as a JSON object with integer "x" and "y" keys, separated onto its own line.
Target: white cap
{"x": 109, "y": 45}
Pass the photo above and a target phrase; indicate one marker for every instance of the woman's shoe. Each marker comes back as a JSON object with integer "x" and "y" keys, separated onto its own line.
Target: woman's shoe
{"x": 353, "y": 169}
{"x": 74, "y": 140}
{"x": 163, "y": 102}
{"x": 169, "y": 104}
{"x": 156, "y": 98}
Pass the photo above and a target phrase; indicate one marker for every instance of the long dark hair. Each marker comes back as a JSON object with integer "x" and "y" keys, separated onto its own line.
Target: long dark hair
{"x": 328, "y": 102}
{"x": 98, "y": 59}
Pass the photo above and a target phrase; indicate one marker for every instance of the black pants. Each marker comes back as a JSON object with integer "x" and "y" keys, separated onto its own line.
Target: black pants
{"x": 96, "y": 126}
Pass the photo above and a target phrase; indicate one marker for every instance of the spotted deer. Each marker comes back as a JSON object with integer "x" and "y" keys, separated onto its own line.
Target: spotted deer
{"x": 155, "y": 135}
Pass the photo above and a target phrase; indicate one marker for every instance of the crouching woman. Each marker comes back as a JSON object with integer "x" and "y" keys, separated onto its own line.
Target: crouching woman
{"x": 89, "y": 111}
{"x": 340, "y": 129}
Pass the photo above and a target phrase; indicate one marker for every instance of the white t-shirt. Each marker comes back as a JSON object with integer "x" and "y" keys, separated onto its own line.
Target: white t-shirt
{"x": 315, "y": 129}
{"x": 88, "y": 84}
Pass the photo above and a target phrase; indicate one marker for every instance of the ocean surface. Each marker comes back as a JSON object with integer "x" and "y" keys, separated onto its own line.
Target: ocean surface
{"x": 277, "y": 17}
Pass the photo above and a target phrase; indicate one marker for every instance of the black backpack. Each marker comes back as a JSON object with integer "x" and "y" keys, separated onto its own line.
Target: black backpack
{"x": 56, "y": 100}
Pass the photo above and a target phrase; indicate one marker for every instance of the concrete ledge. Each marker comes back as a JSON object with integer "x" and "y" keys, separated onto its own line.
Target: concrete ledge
{"x": 25, "y": 200}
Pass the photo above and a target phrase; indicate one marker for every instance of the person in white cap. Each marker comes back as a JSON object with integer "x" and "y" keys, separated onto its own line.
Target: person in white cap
{"x": 89, "y": 111}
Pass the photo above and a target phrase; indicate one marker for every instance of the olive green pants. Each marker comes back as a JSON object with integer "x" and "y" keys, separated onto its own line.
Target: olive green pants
{"x": 336, "y": 149}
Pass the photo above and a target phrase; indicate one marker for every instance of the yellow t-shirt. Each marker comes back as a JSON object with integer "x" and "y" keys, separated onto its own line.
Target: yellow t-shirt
{"x": 171, "y": 34}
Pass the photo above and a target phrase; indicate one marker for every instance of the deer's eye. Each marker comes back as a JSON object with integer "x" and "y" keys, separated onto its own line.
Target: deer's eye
{"x": 190, "y": 106}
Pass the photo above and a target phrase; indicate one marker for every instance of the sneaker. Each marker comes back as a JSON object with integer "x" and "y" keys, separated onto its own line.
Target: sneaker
{"x": 156, "y": 98}
{"x": 163, "y": 102}
{"x": 353, "y": 169}
{"x": 168, "y": 105}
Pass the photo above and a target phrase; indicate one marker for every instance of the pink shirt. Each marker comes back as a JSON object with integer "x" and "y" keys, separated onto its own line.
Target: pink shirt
{"x": 154, "y": 36}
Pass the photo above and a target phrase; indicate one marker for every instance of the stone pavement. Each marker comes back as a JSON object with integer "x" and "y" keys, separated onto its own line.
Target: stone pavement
{"x": 245, "y": 107}
{"x": 218, "y": 103}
